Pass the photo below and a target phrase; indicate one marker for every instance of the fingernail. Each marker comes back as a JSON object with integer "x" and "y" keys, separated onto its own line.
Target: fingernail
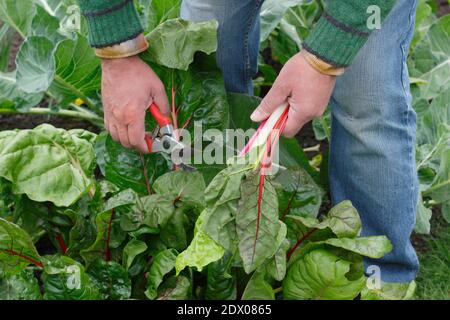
{"x": 256, "y": 115}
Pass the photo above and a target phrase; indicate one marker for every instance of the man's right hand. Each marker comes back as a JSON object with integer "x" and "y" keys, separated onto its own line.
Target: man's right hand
{"x": 129, "y": 87}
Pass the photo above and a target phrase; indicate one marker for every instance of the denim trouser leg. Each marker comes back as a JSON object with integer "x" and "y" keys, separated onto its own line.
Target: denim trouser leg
{"x": 238, "y": 37}
{"x": 372, "y": 156}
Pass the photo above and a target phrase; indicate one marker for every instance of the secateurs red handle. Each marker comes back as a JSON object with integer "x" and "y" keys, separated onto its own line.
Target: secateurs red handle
{"x": 160, "y": 118}
{"x": 166, "y": 142}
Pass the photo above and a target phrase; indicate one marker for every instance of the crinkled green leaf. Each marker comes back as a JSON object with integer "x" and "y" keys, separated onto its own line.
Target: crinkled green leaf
{"x": 221, "y": 283}
{"x": 258, "y": 288}
{"x": 343, "y": 220}
{"x": 16, "y": 248}
{"x": 176, "y": 288}
{"x": 373, "y": 247}
{"x": 109, "y": 235}
{"x": 222, "y": 196}
{"x": 276, "y": 265}
{"x": 111, "y": 279}
{"x": 127, "y": 168}
{"x": 154, "y": 211}
{"x": 298, "y": 194}
{"x": 162, "y": 264}
{"x": 31, "y": 216}
{"x": 257, "y": 232}
{"x": 390, "y": 291}
{"x": 176, "y": 41}
{"x": 131, "y": 250}
{"x": 186, "y": 187}
{"x": 66, "y": 279}
{"x": 202, "y": 251}
{"x": 47, "y": 164}
{"x": 21, "y": 286}
{"x": 320, "y": 275}
{"x": 174, "y": 232}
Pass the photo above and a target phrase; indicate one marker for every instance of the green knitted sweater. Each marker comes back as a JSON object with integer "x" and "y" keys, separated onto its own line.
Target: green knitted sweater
{"x": 338, "y": 36}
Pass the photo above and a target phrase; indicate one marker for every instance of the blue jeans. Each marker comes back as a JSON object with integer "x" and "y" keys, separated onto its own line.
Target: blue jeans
{"x": 372, "y": 153}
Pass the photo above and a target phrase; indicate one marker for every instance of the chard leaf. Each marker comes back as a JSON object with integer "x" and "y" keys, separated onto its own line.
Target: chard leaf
{"x": 298, "y": 194}
{"x": 202, "y": 251}
{"x": 154, "y": 211}
{"x": 176, "y": 288}
{"x": 21, "y": 286}
{"x": 257, "y": 221}
{"x": 276, "y": 266}
{"x": 18, "y": 14}
{"x": 127, "y": 168}
{"x": 221, "y": 285}
{"x": 66, "y": 279}
{"x": 35, "y": 65}
{"x": 373, "y": 247}
{"x": 390, "y": 291}
{"x": 47, "y": 164}
{"x": 31, "y": 216}
{"x": 343, "y": 220}
{"x": 163, "y": 263}
{"x": 132, "y": 249}
{"x": 258, "y": 288}
{"x": 109, "y": 235}
{"x": 176, "y": 41}
{"x": 320, "y": 275}
{"x": 173, "y": 234}
{"x": 16, "y": 249}
{"x": 200, "y": 97}
{"x": 222, "y": 196}
{"x": 111, "y": 279}
{"x": 186, "y": 187}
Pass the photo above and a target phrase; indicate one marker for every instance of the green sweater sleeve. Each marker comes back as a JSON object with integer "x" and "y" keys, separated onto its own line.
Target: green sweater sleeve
{"x": 110, "y": 21}
{"x": 343, "y": 30}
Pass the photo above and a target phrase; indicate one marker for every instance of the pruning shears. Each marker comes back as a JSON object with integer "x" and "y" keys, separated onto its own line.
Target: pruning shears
{"x": 163, "y": 138}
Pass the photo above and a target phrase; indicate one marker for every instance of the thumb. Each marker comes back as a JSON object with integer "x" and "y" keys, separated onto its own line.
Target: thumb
{"x": 275, "y": 97}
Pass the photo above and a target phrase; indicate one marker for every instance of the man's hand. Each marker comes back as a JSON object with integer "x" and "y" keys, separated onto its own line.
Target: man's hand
{"x": 129, "y": 86}
{"x": 305, "y": 89}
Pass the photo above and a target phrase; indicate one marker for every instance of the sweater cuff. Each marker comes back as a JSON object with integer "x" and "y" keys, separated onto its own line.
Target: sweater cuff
{"x": 334, "y": 42}
{"x": 117, "y": 23}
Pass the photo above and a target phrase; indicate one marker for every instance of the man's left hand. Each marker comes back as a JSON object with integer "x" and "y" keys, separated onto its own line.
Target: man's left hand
{"x": 305, "y": 89}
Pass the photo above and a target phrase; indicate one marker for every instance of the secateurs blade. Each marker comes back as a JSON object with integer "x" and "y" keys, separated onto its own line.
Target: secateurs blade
{"x": 163, "y": 140}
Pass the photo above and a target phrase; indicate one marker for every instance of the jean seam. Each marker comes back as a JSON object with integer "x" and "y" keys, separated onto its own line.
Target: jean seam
{"x": 247, "y": 67}
{"x": 407, "y": 120}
